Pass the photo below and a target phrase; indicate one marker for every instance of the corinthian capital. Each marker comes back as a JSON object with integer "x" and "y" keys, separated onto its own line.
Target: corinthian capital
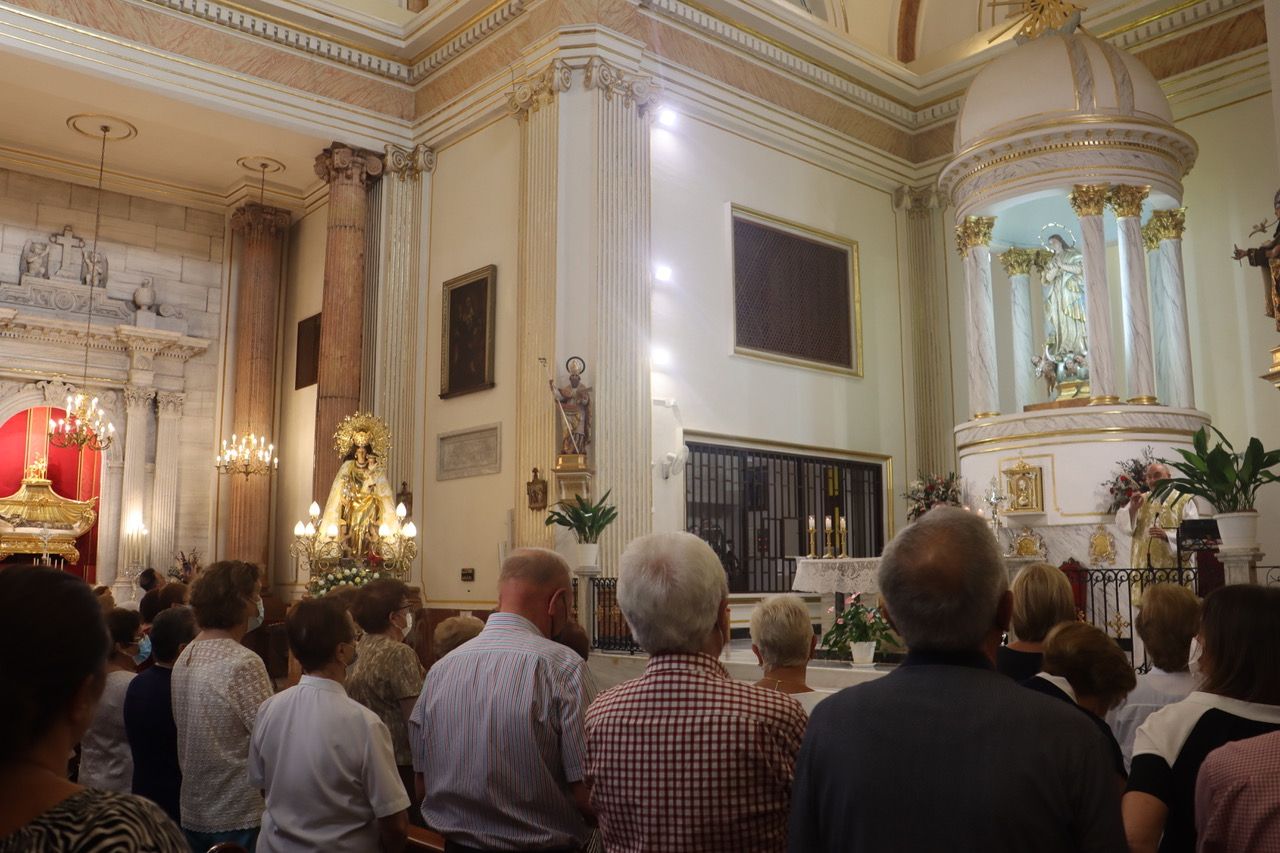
{"x": 406, "y": 163}
{"x": 1169, "y": 224}
{"x": 169, "y": 403}
{"x": 138, "y": 395}
{"x": 916, "y": 201}
{"x": 1020, "y": 261}
{"x": 974, "y": 231}
{"x": 537, "y": 90}
{"x": 254, "y": 218}
{"x": 1088, "y": 199}
{"x": 1126, "y": 199}
{"x": 342, "y": 163}
{"x": 614, "y": 82}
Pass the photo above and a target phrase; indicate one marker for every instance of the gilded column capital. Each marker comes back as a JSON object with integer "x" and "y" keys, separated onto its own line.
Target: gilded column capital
{"x": 1088, "y": 199}
{"x": 1150, "y": 237}
{"x": 1021, "y": 261}
{"x": 633, "y": 89}
{"x": 342, "y": 163}
{"x": 408, "y": 163}
{"x": 917, "y": 201}
{"x": 534, "y": 91}
{"x": 974, "y": 231}
{"x": 1169, "y": 224}
{"x": 259, "y": 218}
{"x": 1126, "y": 199}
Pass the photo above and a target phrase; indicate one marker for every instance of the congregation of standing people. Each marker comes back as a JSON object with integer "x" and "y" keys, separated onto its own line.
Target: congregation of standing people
{"x": 158, "y": 729}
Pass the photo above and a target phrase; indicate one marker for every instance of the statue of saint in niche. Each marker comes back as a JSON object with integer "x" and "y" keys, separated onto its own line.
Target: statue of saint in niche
{"x": 1062, "y": 278}
{"x": 575, "y": 402}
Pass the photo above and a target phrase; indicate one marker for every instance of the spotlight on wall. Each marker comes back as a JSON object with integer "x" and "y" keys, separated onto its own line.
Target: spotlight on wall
{"x": 659, "y": 356}
{"x": 667, "y": 117}
{"x": 662, "y": 272}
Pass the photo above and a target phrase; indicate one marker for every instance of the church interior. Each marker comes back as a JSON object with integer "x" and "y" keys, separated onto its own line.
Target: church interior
{"x": 351, "y": 289}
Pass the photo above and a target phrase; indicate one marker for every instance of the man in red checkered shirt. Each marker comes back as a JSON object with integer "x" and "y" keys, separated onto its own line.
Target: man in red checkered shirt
{"x": 683, "y": 759}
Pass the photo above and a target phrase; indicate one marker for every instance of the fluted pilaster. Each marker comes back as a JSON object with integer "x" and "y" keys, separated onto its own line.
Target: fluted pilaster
{"x": 1169, "y": 305}
{"x": 108, "y": 524}
{"x": 261, "y": 231}
{"x": 1140, "y": 375}
{"x": 165, "y": 495}
{"x": 623, "y": 404}
{"x": 349, "y": 172}
{"x": 133, "y": 485}
{"x": 1018, "y": 264}
{"x": 396, "y": 341}
{"x": 973, "y": 237}
{"x": 535, "y": 104}
{"x": 1088, "y": 200}
{"x": 934, "y": 444}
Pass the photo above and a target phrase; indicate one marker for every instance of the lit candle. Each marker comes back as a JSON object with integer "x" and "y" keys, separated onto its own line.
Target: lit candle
{"x": 813, "y": 525}
{"x": 828, "y": 524}
{"x": 410, "y": 530}
{"x": 383, "y": 530}
{"x": 299, "y": 529}
{"x": 401, "y": 512}
{"x": 314, "y": 510}
{"x": 332, "y": 531}
{"x": 842, "y": 527}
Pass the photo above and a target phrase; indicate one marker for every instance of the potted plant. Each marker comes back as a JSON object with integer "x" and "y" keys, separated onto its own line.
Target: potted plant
{"x": 858, "y": 628}
{"x": 1226, "y": 479}
{"x": 587, "y": 521}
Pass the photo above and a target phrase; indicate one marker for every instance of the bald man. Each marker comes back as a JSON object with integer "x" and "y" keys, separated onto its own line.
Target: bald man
{"x": 497, "y": 738}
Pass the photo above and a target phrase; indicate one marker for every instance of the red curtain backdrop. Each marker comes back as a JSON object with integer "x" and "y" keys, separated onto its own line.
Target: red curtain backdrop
{"x": 75, "y": 474}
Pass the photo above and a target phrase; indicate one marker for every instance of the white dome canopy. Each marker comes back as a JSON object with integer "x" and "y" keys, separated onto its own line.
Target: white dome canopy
{"x": 1057, "y": 77}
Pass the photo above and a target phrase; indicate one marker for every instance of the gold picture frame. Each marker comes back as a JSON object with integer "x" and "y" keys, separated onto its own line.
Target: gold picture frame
{"x": 467, "y": 319}
{"x": 1024, "y": 484}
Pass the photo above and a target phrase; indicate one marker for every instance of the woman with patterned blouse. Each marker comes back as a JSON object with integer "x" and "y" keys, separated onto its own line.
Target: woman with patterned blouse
{"x": 48, "y": 702}
{"x": 387, "y": 676}
{"x": 218, "y": 686}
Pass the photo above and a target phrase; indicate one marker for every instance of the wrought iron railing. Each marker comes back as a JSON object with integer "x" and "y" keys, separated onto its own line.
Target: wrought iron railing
{"x": 611, "y": 634}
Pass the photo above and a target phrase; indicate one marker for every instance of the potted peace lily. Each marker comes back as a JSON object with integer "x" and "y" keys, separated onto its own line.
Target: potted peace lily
{"x": 1226, "y": 479}
{"x": 857, "y": 628}
{"x": 587, "y": 521}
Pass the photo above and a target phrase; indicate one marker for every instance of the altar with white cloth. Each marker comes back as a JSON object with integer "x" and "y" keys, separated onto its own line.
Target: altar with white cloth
{"x": 836, "y": 575}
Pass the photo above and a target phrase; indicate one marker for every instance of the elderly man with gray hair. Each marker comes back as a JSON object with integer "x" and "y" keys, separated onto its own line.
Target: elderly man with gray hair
{"x": 683, "y": 759}
{"x": 945, "y": 753}
{"x": 496, "y": 735}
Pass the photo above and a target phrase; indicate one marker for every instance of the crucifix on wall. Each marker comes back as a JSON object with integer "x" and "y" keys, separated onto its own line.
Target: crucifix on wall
{"x": 72, "y": 246}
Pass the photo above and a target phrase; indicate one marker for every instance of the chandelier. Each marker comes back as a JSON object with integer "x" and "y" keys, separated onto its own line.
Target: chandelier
{"x": 86, "y": 424}
{"x": 247, "y": 455}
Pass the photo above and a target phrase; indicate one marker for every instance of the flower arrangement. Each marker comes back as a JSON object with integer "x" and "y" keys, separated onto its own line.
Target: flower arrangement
{"x": 1127, "y": 479}
{"x": 932, "y": 490}
{"x": 358, "y": 575}
{"x": 857, "y": 623}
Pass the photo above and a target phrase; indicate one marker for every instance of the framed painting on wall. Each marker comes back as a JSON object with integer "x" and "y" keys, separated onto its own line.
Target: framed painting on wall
{"x": 467, "y": 333}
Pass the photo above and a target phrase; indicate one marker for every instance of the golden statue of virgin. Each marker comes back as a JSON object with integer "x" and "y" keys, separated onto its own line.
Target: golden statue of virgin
{"x": 360, "y": 498}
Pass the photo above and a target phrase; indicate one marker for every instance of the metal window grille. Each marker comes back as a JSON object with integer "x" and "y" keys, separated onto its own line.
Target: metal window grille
{"x": 752, "y": 507}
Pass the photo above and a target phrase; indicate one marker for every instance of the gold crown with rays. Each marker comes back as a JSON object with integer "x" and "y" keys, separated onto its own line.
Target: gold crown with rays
{"x": 362, "y": 429}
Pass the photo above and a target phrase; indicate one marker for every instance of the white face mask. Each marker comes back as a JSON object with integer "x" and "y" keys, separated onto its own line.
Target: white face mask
{"x": 256, "y": 619}
{"x": 1193, "y": 659}
{"x": 408, "y": 622}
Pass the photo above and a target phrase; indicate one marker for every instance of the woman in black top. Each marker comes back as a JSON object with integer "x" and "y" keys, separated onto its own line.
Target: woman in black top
{"x": 1240, "y": 698}
{"x": 49, "y": 701}
{"x": 1041, "y": 599}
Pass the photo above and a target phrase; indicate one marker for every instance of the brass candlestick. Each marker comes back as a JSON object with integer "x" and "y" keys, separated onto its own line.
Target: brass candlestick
{"x": 813, "y": 543}
{"x": 844, "y": 542}
{"x": 828, "y": 554}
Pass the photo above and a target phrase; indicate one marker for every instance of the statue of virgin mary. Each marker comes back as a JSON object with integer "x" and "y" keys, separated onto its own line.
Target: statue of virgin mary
{"x": 361, "y": 498}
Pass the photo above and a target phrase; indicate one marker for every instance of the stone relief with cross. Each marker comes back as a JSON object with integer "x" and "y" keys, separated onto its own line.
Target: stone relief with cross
{"x": 63, "y": 257}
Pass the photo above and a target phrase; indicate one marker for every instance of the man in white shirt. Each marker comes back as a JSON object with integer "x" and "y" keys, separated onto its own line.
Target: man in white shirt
{"x": 324, "y": 761}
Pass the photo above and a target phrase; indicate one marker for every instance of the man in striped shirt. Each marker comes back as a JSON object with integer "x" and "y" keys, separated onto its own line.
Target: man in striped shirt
{"x": 497, "y": 731}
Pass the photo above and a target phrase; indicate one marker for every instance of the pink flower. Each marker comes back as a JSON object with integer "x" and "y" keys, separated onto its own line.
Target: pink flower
{"x": 840, "y": 620}
{"x": 831, "y": 609}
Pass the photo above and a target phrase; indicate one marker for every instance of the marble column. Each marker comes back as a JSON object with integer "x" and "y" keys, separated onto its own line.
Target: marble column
{"x": 396, "y": 339}
{"x": 973, "y": 237}
{"x": 261, "y": 230}
{"x": 138, "y": 405}
{"x": 1088, "y": 200}
{"x": 109, "y": 515}
{"x": 930, "y": 354}
{"x": 622, "y": 102}
{"x": 164, "y": 487}
{"x": 349, "y": 173}
{"x": 1126, "y": 200}
{"x": 1017, "y": 264}
{"x": 1169, "y": 304}
{"x": 535, "y": 103}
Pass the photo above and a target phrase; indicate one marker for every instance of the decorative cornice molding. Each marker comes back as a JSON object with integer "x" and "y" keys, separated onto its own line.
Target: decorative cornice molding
{"x": 406, "y": 163}
{"x": 441, "y": 54}
{"x": 535, "y": 91}
{"x": 633, "y": 89}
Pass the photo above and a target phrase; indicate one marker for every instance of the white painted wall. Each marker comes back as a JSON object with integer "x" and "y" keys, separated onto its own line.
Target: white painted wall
{"x": 698, "y": 171}
{"x": 474, "y": 222}
{"x": 296, "y": 419}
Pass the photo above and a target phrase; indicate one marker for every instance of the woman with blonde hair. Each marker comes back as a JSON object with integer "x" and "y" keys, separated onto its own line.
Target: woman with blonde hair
{"x": 782, "y": 639}
{"x": 1041, "y": 599}
{"x": 1167, "y": 622}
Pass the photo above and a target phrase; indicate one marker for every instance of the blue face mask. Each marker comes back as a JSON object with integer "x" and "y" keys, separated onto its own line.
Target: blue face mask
{"x": 144, "y": 649}
{"x": 255, "y": 621}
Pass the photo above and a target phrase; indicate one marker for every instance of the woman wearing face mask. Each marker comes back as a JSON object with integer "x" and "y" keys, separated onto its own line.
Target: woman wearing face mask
{"x": 217, "y": 687}
{"x": 387, "y": 676}
{"x": 48, "y": 702}
{"x": 105, "y": 760}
